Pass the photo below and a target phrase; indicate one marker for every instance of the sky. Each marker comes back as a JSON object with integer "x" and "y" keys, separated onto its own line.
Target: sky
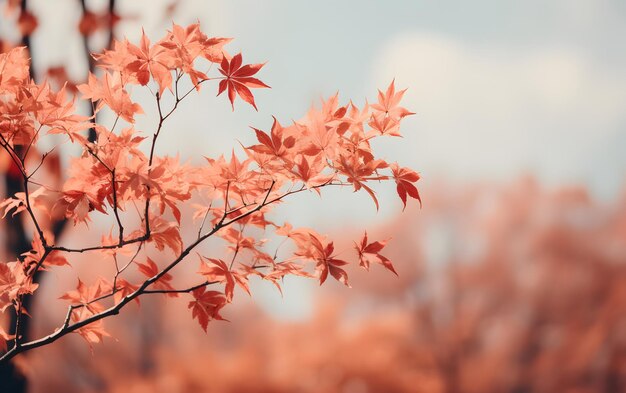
{"x": 500, "y": 89}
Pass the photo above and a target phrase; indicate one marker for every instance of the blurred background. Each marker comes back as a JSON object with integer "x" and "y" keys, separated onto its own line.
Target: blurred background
{"x": 512, "y": 277}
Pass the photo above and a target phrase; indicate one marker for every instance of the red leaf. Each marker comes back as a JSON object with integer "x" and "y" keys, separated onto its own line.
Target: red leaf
{"x": 405, "y": 178}
{"x": 217, "y": 270}
{"x": 206, "y": 306}
{"x": 238, "y": 79}
{"x": 150, "y": 269}
{"x": 370, "y": 252}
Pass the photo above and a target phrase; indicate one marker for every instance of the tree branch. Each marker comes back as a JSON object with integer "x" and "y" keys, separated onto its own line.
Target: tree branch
{"x": 143, "y": 289}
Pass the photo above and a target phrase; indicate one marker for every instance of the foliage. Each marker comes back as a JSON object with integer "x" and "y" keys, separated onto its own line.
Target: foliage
{"x": 121, "y": 175}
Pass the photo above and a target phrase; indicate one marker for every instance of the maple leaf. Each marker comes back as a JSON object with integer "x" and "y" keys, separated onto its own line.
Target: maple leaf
{"x": 206, "y": 306}
{"x": 15, "y": 68}
{"x": 18, "y": 203}
{"x": 86, "y": 295}
{"x": 283, "y": 269}
{"x": 165, "y": 233}
{"x": 388, "y": 102}
{"x": 370, "y": 252}
{"x": 238, "y": 79}
{"x": 150, "y": 61}
{"x": 276, "y": 143}
{"x": 213, "y": 49}
{"x": 7, "y": 286}
{"x": 385, "y": 125}
{"x": 110, "y": 91}
{"x": 115, "y": 59}
{"x": 150, "y": 269}
{"x": 78, "y": 204}
{"x": 32, "y": 257}
{"x": 358, "y": 173}
{"x": 309, "y": 171}
{"x": 165, "y": 179}
{"x": 84, "y": 191}
{"x": 122, "y": 289}
{"x": 241, "y": 276}
{"x": 323, "y": 138}
{"x": 14, "y": 282}
{"x": 93, "y": 332}
{"x": 405, "y": 178}
{"x": 57, "y": 113}
{"x": 328, "y": 263}
{"x": 218, "y": 271}
{"x": 185, "y": 45}
{"x": 312, "y": 246}
{"x": 285, "y": 230}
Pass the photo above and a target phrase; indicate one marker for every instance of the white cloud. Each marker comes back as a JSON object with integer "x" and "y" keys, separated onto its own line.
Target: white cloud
{"x": 494, "y": 111}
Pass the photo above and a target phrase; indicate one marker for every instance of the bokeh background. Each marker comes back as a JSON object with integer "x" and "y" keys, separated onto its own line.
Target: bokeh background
{"x": 512, "y": 277}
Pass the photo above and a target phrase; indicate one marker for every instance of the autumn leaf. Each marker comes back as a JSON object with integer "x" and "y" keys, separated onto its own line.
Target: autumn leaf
{"x": 370, "y": 252}
{"x": 405, "y": 178}
{"x": 388, "y": 103}
{"x": 165, "y": 234}
{"x": 87, "y": 294}
{"x": 150, "y": 269}
{"x": 276, "y": 144}
{"x": 9, "y": 286}
{"x": 217, "y": 270}
{"x": 213, "y": 49}
{"x": 151, "y": 60}
{"x": 206, "y": 306}
{"x": 110, "y": 91}
{"x": 312, "y": 246}
{"x": 93, "y": 332}
{"x": 15, "y": 69}
{"x": 238, "y": 79}
{"x": 185, "y": 44}
{"x": 331, "y": 264}
{"x": 122, "y": 289}
{"x": 17, "y": 204}
{"x": 359, "y": 172}
{"x": 53, "y": 258}
{"x": 280, "y": 270}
